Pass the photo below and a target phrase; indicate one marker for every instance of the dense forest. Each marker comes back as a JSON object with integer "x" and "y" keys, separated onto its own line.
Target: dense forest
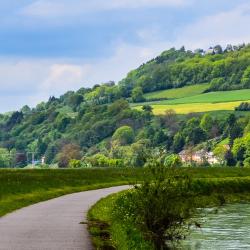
{"x": 97, "y": 127}
{"x": 225, "y": 69}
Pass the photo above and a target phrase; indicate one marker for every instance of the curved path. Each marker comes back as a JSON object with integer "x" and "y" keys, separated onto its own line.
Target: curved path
{"x": 52, "y": 225}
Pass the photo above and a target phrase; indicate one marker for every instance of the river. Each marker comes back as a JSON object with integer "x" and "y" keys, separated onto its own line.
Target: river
{"x": 226, "y": 228}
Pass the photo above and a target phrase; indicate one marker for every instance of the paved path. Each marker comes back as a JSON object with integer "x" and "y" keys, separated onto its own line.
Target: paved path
{"x": 53, "y": 224}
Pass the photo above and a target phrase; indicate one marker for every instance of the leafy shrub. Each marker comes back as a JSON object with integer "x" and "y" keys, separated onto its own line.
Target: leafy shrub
{"x": 159, "y": 208}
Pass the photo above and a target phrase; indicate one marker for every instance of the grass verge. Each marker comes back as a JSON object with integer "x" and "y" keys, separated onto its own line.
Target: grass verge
{"x": 20, "y": 188}
{"x": 209, "y": 192}
{"x": 108, "y": 233}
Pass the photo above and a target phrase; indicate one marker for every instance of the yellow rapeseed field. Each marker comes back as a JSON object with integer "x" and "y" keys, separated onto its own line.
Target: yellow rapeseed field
{"x": 194, "y": 107}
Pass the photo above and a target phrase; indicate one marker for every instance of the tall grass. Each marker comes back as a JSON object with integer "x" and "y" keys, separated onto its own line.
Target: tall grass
{"x": 19, "y": 188}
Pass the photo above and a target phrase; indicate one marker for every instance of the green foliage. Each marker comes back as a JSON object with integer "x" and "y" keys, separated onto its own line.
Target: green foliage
{"x": 173, "y": 161}
{"x": 118, "y": 235}
{"x": 75, "y": 163}
{"x": 99, "y": 120}
{"x": 69, "y": 152}
{"x": 170, "y": 193}
{"x": 20, "y": 188}
{"x": 5, "y": 158}
{"x": 244, "y": 106}
{"x": 137, "y": 95}
{"x": 100, "y": 160}
{"x": 206, "y": 122}
{"x": 176, "y": 68}
{"x": 123, "y": 135}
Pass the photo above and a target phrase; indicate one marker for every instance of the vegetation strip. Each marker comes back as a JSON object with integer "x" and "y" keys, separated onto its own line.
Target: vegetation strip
{"x": 20, "y": 188}
{"x": 120, "y": 233}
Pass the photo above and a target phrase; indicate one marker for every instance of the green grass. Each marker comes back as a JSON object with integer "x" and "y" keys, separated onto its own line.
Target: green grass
{"x": 108, "y": 233}
{"x": 178, "y": 92}
{"x": 20, "y": 188}
{"x": 212, "y": 97}
{"x": 207, "y": 102}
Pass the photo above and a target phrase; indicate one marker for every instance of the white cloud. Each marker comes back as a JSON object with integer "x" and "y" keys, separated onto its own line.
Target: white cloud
{"x": 39, "y": 79}
{"x": 32, "y": 81}
{"x": 63, "y": 77}
{"x": 59, "y": 8}
{"x": 223, "y": 28}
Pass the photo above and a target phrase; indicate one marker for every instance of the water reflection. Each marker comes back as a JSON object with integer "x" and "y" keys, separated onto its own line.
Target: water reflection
{"x": 224, "y": 229}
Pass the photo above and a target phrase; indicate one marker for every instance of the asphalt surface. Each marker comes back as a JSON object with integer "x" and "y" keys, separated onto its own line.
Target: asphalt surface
{"x": 51, "y": 225}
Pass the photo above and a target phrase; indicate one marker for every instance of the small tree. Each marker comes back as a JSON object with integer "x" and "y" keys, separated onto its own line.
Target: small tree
{"x": 137, "y": 95}
{"x": 123, "y": 135}
{"x": 68, "y": 152}
{"x": 173, "y": 161}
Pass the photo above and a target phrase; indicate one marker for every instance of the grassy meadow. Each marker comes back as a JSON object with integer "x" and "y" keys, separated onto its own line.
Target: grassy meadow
{"x": 213, "y": 97}
{"x": 20, "y": 188}
{"x": 206, "y": 102}
{"x": 178, "y": 92}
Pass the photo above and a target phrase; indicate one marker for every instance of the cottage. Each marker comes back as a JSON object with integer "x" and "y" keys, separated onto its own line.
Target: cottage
{"x": 199, "y": 157}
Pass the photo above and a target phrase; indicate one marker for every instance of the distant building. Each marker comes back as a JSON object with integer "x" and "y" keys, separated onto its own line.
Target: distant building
{"x": 210, "y": 51}
{"x": 201, "y": 156}
{"x": 43, "y": 160}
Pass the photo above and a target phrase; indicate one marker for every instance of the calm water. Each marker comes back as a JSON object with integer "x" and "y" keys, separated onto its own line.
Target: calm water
{"x": 224, "y": 229}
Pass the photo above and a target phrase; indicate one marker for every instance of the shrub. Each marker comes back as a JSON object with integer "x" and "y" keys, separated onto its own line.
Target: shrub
{"x": 159, "y": 208}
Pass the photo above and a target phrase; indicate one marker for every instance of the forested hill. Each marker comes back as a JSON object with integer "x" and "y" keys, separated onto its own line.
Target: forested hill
{"x": 98, "y": 123}
{"x": 225, "y": 69}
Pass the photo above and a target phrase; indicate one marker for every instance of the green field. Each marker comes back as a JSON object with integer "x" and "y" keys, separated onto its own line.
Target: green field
{"x": 212, "y": 97}
{"x": 195, "y": 107}
{"x": 20, "y": 188}
{"x": 207, "y": 102}
{"x": 178, "y": 93}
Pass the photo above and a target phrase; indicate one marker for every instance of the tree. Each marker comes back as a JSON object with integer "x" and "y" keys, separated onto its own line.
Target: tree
{"x": 171, "y": 120}
{"x": 75, "y": 163}
{"x": 233, "y": 129}
{"x": 206, "y": 123}
{"x": 75, "y": 100}
{"x": 50, "y": 153}
{"x": 5, "y": 158}
{"x": 123, "y": 135}
{"x": 220, "y": 152}
{"x": 178, "y": 143}
{"x": 173, "y": 161}
{"x": 193, "y": 133}
{"x": 239, "y": 149}
{"x": 147, "y": 108}
{"x": 245, "y": 80}
{"x": 137, "y": 95}
{"x": 218, "y": 49}
{"x": 68, "y": 152}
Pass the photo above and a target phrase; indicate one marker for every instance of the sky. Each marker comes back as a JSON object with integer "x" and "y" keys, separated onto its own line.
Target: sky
{"x": 48, "y": 47}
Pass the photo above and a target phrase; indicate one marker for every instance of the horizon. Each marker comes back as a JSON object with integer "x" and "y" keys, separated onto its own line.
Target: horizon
{"x": 50, "y": 48}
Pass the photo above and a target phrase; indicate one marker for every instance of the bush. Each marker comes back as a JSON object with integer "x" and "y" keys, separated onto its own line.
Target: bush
{"x": 159, "y": 208}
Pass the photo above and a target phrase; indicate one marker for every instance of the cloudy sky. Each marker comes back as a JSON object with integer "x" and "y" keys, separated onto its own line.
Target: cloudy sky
{"x": 48, "y": 47}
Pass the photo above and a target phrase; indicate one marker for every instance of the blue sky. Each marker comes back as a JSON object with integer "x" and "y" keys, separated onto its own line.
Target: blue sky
{"x": 49, "y": 47}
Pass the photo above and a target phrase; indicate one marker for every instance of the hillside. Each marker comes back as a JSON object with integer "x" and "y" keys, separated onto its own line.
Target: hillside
{"x": 224, "y": 69}
{"x": 98, "y": 127}
{"x": 177, "y": 92}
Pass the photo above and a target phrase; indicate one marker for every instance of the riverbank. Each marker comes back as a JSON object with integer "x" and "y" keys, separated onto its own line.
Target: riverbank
{"x": 209, "y": 192}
